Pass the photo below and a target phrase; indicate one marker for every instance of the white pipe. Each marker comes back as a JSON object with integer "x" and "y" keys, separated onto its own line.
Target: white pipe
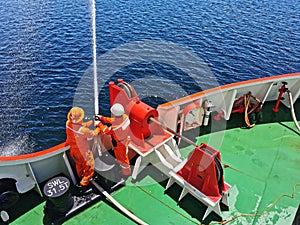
{"x": 116, "y": 203}
{"x": 292, "y": 110}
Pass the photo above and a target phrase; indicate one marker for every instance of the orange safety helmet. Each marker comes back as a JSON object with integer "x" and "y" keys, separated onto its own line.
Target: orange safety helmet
{"x": 76, "y": 115}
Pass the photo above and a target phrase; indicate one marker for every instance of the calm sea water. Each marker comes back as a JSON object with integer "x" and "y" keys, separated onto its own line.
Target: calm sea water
{"x": 46, "y": 55}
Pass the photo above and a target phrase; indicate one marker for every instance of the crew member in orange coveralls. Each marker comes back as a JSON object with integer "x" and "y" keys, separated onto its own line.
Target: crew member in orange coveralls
{"x": 78, "y": 134}
{"x": 119, "y": 131}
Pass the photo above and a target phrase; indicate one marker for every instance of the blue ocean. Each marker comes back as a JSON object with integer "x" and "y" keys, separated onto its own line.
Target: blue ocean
{"x": 165, "y": 49}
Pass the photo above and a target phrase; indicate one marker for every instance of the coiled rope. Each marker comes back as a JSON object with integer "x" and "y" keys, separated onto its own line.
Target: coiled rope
{"x": 249, "y": 108}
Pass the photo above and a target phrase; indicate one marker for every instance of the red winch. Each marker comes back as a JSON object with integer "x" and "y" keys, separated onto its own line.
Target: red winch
{"x": 139, "y": 112}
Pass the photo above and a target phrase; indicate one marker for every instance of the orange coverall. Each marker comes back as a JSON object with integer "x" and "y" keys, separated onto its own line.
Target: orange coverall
{"x": 77, "y": 137}
{"x": 119, "y": 131}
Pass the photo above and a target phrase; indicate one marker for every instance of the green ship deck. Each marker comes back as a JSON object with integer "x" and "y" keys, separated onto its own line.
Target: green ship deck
{"x": 262, "y": 164}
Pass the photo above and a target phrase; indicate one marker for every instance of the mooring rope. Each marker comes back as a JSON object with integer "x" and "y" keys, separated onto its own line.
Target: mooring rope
{"x": 247, "y": 103}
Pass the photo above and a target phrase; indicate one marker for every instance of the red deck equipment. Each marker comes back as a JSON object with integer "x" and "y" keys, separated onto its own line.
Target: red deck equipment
{"x": 201, "y": 175}
{"x": 203, "y": 170}
{"x": 139, "y": 113}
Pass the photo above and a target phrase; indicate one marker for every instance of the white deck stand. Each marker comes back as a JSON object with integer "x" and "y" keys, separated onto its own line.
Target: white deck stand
{"x": 164, "y": 156}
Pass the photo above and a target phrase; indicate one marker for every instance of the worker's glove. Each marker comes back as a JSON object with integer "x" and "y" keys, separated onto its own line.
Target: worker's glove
{"x": 88, "y": 124}
{"x": 97, "y": 123}
{"x": 97, "y": 131}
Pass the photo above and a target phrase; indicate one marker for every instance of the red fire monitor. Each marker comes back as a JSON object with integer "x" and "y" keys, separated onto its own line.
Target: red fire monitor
{"x": 139, "y": 114}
